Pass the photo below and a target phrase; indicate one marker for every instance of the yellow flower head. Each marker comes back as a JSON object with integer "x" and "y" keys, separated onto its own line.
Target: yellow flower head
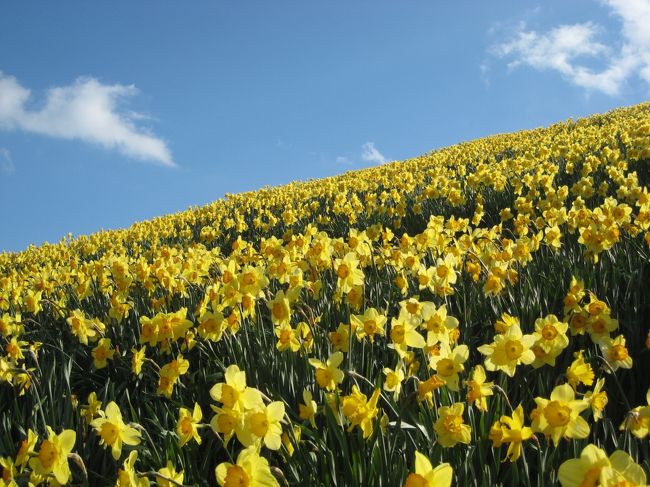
{"x": 509, "y": 350}
{"x": 595, "y": 468}
{"x": 616, "y": 353}
{"x": 328, "y": 375}
{"x": 102, "y": 353}
{"x": 360, "y": 410}
{"x": 113, "y": 431}
{"x": 370, "y": 324}
{"x": 515, "y": 433}
{"x": 560, "y": 415}
{"x": 263, "y": 426}
{"x": 309, "y": 408}
{"x": 478, "y": 389}
{"x": 393, "y": 381}
{"x": 580, "y": 372}
{"x": 186, "y": 428}
{"x": 234, "y": 394}
{"x": 250, "y": 470}
{"x": 169, "y": 472}
{"x": 448, "y": 364}
{"x": 52, "y": 455}
{"x": 427, "y": 476}
{"x": 450, "y": 427}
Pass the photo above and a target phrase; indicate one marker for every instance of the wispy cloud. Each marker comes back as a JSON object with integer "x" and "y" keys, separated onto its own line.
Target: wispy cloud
{"x": 565, "y": 49}
{"x": 371, "y": 154}
{"x": 343, "y": 160}
{"x": 86, "y": 110}
{"x": 6, "y": 162}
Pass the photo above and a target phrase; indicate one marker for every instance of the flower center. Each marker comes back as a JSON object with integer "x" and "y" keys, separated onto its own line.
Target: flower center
{"x": 259, "y": 424}
{"x": 48, "y": 454}
{"x": 370, "y": 327}
{"x": 186, "y": 426}
{"x": 109, "y": 433}
{"x": 279, "y": 311}
{"x": 445, "y": 367}
{"x": 557, "y": 414}
{"x": 591, "y": 478}
{"x": 453, "y": 423}
{"x": 514, "y": 349}
{"x": 549, "y": 332}
{"x": 249, "y": 278}
{"x": 397, "y": 334}
{"x": 229, "y": 395}
{"x": 415, "y": 480}
{"x": 343, "y": 271}
{"x": 323, "y": 377}
{"x": 226, "y": 423}
{"x": 619, "y": 352}
{"x": 236, "y": 477}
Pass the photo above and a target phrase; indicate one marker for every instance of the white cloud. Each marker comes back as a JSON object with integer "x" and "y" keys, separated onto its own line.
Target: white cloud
{"x": 343, "y": 160}
{"x": 86, "y": 110}
{"x": 565, "y": 48}
{"x": 371, "y": 154}
{"x": 6, "y": 163}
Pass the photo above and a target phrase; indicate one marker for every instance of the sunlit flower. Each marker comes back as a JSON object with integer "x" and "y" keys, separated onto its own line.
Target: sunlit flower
{"x": 560, "y": 415}
{"x": 113, "y": 431}
{"x": 450, "y": 427}
{"x": 427, "y": 476}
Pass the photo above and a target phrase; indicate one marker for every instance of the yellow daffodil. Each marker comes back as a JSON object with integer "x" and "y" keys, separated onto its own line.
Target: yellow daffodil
{"x": 637, "y": 421}
{"x": 509, "y": 350}
{"x": 328, "y": 374}
{"x": 340, "y": 338}
{"x": 393, "y": 381}
{"x": 437, "y": 323}
{"x": 370, "y": 324}
{"x": 597, "y": 399}
{"x": 169, "y": 472}
{"x": 280, "y": 309}
{"x": 287, "y": 338}
{"x": 427, "y": 476}
{"x": 186, "y": 428}
{"x": 226, "y": 422}
{"x": 616, "y": 353}
{"x": 26, "y": 448}
{"x": 234, "y": 394}
{"x": 477, "y": 389}
{"x": 52, "y": 455}
{"x": 403, "y": 334}
{"x": 251, "y": 470}
{"x": 102, "y": 353}
{"x": 551, "y": 340}
{"x": 360, "y": 410}
{"x": 580, "y": 372}
{"x": 595, "y": 468}
{"x": 93, "y": 409}
{"x": 450, "y": 427}
{"x": 263, "y": 425}
{"x": 448, "y": 364}
{"x": 137, "y": 359}
{"x": 348, "y": 272}
{"x": 113, "y": 431}
{"x": 308, "y": 409}
{"x": 127, "y": 476}
{"x": 515, "y": 433}
{"x": 559, "y": 416}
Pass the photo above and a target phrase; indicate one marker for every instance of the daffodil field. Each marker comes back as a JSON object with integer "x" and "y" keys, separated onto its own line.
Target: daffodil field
{"x": 478, "y": 315}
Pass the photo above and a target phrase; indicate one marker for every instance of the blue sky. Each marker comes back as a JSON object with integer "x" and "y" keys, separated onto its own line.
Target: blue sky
{"x": 115, "y": 112}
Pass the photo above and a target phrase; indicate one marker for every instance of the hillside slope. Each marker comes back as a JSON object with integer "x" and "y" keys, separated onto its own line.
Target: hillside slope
{"x": 331, "y": 329}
